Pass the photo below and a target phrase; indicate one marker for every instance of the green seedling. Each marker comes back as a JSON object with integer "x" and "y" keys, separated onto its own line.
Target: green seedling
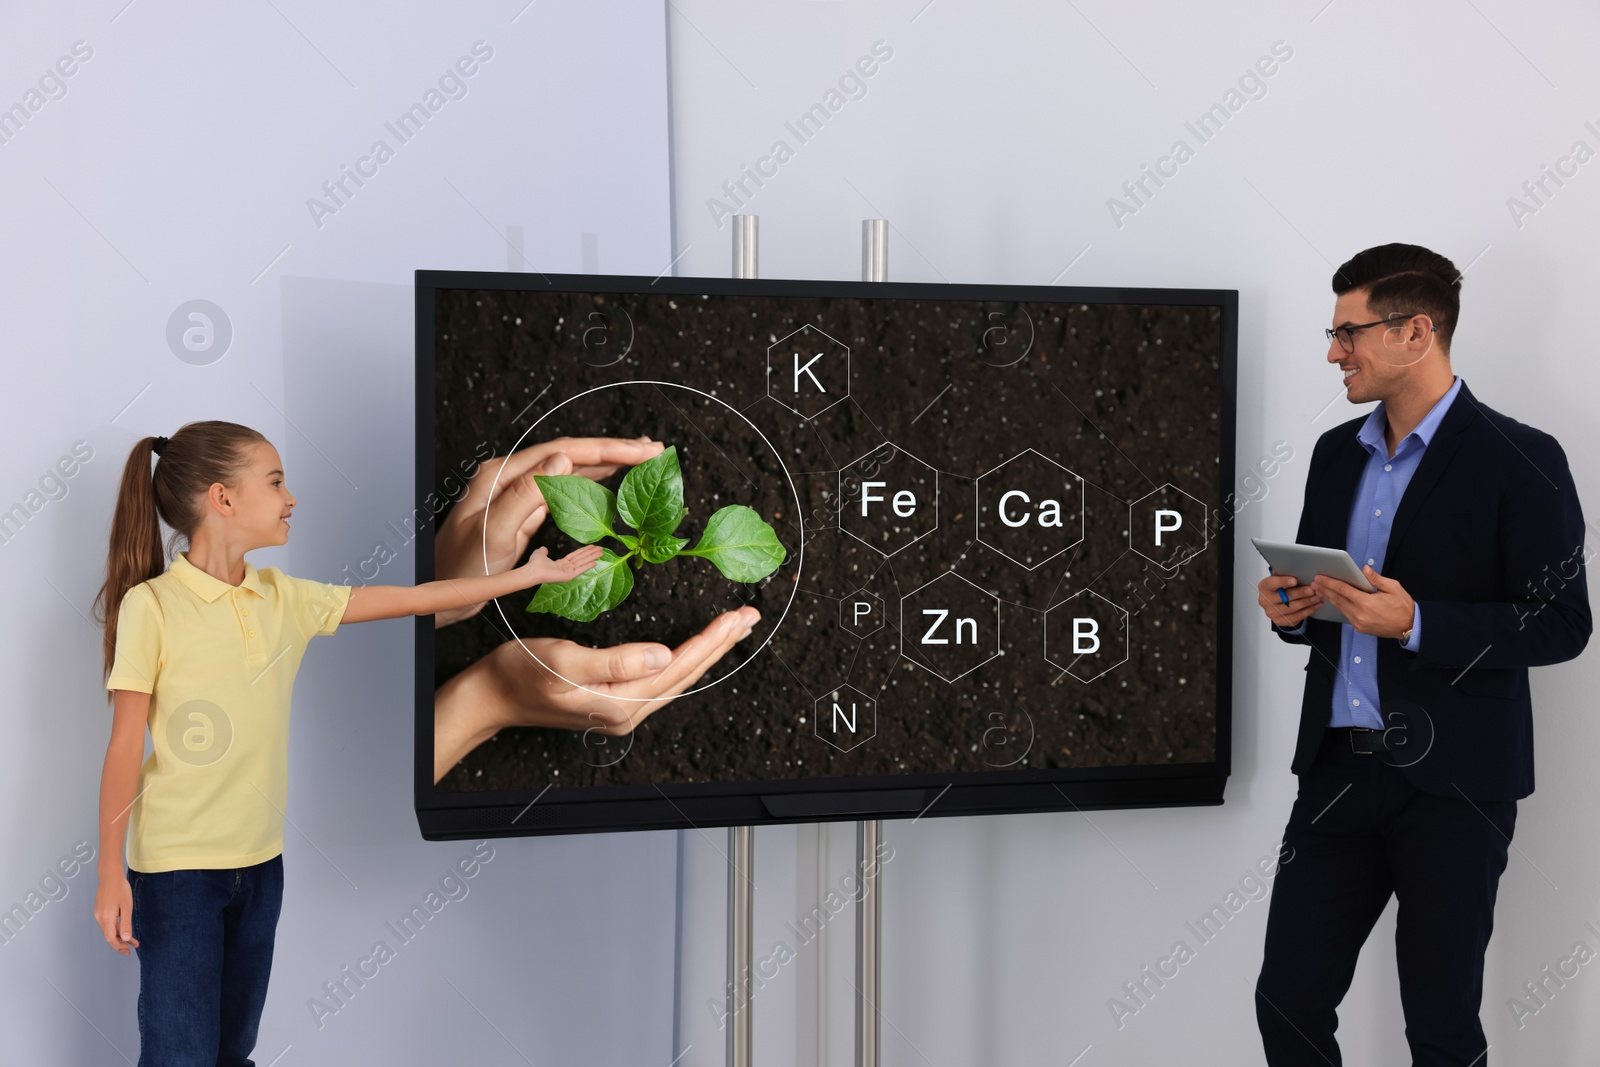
{"x": 736, "y": 540}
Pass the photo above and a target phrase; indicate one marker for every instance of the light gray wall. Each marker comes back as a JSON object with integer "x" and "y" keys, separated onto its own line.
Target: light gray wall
{"x": 177, "y": 166}
{"x": 992, "y": 140}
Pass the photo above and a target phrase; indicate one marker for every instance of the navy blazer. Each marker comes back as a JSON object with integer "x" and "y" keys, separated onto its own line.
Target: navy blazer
{"x": 1488, "y": 539}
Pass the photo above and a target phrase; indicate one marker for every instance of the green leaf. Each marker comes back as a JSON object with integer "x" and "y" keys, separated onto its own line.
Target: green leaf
{"x": 584, "y": 510}
{"x": 582, "y": 599}
{"x": 741, "y": 545}
{"x": 658, "y": 548}
{"x": 628, "y": 539}
{"x": 651, "y": 498}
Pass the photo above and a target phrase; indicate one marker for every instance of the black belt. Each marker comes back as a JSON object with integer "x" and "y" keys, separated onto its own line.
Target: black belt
{"x": 1357, "y": 739}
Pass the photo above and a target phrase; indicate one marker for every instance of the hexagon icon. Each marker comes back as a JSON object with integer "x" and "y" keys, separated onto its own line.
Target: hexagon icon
{"x": 1167, "y": 526}
{"x": 949, "y": 626}
{"x": 861, "y": 613}
{"x": 845, "y": 718}
{"x": 1086, "y": 635}
{"x": 808, "y": 372}
{"x": 888, "y": 499}
{"x": 1030, "y": 508}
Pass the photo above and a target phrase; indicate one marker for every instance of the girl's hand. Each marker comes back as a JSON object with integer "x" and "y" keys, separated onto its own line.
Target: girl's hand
{"x": 540, "y": 568}
{"x": 113, "y": 910}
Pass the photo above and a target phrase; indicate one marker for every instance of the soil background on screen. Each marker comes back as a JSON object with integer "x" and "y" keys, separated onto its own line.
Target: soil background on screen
{"x": 1124, "y": 397}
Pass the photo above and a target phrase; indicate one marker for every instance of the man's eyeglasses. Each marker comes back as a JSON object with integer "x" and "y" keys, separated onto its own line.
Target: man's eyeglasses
{"x": 1347, "y": 334}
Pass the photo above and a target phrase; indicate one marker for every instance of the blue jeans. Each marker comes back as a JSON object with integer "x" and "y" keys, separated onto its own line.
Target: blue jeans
{"x": 205, "y": 951}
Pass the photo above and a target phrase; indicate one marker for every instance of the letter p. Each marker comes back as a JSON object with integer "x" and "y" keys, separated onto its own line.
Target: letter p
{"x": 1166, "y": 522}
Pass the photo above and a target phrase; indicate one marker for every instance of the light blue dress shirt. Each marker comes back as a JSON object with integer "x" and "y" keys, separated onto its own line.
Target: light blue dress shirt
{"x": 1383, "y": 483}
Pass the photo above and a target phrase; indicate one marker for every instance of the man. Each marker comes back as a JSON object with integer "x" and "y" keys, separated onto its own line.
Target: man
{"x": 1416, "y": 732}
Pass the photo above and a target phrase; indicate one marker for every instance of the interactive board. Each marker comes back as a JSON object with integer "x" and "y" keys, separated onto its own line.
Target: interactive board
{"x": 985, "y": 529}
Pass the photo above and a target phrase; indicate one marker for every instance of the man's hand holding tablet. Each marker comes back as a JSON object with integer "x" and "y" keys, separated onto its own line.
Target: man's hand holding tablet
{"x": 1386, "y": 613}
{"x": 1287, "y": 602}
{"x": 1322, "y": 583}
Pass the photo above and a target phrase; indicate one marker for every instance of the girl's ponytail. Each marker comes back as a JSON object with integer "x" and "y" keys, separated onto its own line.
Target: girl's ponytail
{"x": 135, "y": 544}
{"x": 191, "y": 461}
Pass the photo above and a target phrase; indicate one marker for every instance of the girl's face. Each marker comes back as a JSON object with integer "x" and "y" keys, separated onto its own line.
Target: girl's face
{"x": 262, "y": 500}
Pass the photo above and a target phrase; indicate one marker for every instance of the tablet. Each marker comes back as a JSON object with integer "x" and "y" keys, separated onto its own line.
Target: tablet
{"x": 1305, "y": 562}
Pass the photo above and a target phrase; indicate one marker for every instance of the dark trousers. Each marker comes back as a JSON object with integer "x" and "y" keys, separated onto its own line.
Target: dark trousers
{"x": 1359, "y": 831}
{"x": 205, "y": 951}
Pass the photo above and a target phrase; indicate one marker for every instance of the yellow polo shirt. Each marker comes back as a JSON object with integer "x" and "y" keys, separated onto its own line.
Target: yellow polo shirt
{"x": 219, "y": 662}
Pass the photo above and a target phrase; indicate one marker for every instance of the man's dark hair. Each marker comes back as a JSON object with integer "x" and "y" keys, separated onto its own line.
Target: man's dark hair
{"x": 1405, "y": 279}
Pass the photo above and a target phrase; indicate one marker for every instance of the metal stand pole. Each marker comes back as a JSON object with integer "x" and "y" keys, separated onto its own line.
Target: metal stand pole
{"x": 874, "y": 250}
{"x": 744, "y": 246}
{"x": 741, "y": 839}
{"x": 868, "y": 912}
{"x": 869, "y": 909}
{"x": 741, "y": 848}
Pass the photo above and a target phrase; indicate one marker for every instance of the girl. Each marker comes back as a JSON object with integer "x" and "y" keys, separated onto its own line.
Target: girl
{"x": 205, "y": 654}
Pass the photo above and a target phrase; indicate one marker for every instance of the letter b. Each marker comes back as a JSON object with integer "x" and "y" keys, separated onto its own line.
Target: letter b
{"x": 1085, "y": 637}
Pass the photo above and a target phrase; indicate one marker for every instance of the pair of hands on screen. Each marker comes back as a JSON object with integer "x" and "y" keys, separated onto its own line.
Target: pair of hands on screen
{"x": 483, "y": 536}
{"x": 1386, "y": 613}
{"x": 547, "y": 681}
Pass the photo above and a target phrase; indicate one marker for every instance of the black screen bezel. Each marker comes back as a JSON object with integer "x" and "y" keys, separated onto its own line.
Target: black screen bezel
{"x": 515, "y": 813}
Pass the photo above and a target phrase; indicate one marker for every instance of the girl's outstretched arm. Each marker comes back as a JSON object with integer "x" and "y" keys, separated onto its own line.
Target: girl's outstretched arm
{"x": 369, "y": 602}
{"x": 113, "y": 899}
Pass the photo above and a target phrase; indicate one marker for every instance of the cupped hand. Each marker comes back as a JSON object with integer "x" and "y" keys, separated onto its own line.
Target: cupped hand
{"x": 483, "y": 536}
{"x": 573, "y": 687}
{"x": 567, "y": 683}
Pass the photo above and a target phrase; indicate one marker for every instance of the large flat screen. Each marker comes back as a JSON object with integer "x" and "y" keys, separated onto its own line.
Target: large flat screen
{"x": 983, "y": 529}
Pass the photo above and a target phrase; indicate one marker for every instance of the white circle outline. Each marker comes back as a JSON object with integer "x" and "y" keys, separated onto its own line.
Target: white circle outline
{"x": 799, "y": 563}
